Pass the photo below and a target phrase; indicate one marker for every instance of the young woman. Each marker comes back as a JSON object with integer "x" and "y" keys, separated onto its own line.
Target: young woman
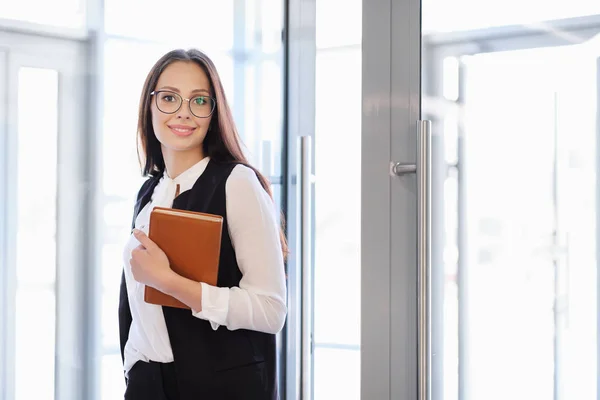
{"x": 224, "y": 347}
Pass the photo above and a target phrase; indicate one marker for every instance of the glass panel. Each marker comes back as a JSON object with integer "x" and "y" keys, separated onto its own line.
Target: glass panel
{"x": 36, "y": 228}
{"x": 337, "y": 218}
{"x": 518, "y": 205}
{"x": 63, "y": 13}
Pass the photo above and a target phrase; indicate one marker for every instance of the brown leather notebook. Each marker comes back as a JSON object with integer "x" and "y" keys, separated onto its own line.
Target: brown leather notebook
{"x": 192, "y": 243}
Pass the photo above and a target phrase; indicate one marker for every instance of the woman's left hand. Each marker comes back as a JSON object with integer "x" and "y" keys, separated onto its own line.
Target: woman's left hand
{"x": 149, "y": 264}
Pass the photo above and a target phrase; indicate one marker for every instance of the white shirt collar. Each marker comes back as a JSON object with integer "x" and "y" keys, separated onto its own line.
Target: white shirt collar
{"x": 187, "y": 178}
{"x": 165, "y": 191}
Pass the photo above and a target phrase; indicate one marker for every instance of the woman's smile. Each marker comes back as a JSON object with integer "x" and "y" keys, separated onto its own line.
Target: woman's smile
{"x": 182, "y": 130}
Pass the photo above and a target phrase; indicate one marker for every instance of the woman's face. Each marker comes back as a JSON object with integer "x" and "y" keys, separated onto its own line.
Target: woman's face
{"x": 181, "y": 131}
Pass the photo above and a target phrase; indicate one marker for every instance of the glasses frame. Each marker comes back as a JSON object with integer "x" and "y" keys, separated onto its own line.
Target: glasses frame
{"x": 189, "y": 101}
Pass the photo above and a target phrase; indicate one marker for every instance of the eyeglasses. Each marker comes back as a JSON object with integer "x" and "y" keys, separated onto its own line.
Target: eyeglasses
{"x": 170, "y": 102}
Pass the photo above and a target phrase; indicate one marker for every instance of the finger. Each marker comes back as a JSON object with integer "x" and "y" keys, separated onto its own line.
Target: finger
{"x": 143, "y": 239}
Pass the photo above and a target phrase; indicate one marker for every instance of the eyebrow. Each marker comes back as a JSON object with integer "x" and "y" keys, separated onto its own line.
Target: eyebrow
{"x": 177, "y": 90}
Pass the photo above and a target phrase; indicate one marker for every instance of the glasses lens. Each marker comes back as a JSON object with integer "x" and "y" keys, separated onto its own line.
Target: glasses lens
{"x": 202, "y": 106}
{"x": 168, "y": 102}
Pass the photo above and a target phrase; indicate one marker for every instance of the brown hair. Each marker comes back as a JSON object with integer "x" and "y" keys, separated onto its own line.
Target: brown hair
{"x": 222, "y": 141}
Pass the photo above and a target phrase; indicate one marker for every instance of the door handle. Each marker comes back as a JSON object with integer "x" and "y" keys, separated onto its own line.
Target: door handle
{"x": 423, "y": 171}
{"x": 306, "y": 265}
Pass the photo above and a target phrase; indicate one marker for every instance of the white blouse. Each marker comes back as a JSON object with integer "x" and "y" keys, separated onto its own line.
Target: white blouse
{"x": 259, "y": 303}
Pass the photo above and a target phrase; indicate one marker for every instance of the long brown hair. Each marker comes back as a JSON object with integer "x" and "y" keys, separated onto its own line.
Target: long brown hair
{"x": 222, "y": 141}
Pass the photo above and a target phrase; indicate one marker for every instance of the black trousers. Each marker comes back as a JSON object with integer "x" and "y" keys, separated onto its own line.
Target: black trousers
{"x": 152, "y": 381}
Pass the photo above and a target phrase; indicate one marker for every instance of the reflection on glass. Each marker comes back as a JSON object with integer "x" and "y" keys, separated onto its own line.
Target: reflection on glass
{"x": 519, "y": 312}
{"x": 36, "y": 230}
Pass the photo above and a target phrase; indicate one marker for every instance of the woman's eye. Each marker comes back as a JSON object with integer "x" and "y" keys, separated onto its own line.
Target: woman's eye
{"x": 168, "y": 98}
{"x": 200, "y": 100}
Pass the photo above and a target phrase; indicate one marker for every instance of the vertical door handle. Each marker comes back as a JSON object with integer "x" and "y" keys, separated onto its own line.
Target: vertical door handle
{"x": 306, "y": 265}
{"x": 423, "y": 171}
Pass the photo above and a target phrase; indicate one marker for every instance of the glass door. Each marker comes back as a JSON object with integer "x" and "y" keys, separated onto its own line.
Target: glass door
{"x": 513, "y": 101}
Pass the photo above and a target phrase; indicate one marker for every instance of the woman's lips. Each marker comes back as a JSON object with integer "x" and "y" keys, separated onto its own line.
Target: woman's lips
{"x": 182, "y": 130}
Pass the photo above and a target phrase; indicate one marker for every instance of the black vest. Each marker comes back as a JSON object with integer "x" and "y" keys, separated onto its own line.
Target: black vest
{"x": 211, "y": 364}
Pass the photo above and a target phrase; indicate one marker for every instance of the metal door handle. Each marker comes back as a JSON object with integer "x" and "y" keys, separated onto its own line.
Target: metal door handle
{"x": 423, "y": 171}
{"x": 306, "y": 265}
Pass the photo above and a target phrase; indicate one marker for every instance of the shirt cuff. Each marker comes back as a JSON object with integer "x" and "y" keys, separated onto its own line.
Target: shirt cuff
{"x": 215, "y": 305}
